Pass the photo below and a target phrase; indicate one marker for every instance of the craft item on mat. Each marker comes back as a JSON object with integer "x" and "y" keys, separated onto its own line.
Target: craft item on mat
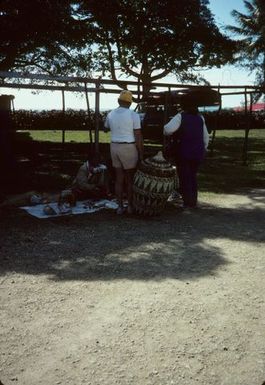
{"x": 48, "y": 210}
{"x": 65, "y": 208}
{"x": 36, "y": 199}
{"x": 66, "y": 197}
{"x": 154, "y": 181}
{"x": 82, "y": 207}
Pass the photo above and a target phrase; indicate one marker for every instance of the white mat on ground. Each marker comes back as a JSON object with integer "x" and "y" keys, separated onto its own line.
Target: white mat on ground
{"x": 82, "y": 207}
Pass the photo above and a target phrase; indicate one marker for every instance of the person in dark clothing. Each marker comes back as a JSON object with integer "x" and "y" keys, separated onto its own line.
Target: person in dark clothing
{"x": 91, "y": 181}
{"x": 193, "y": 142}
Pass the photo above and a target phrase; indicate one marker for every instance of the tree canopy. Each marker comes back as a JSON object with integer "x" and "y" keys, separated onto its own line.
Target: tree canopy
{"x": 251, "y": 27}
{"x": 141, "y": 38}
{"x": 39, "y": 34}
{"x": 150, "y": 39}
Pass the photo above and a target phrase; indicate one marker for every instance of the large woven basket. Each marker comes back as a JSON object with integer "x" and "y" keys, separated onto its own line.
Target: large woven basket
{"x": 154, "y": 181}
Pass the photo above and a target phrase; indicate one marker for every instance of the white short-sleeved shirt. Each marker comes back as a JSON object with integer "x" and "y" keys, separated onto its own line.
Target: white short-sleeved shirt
{"x": 174, "y": 124}
{"x": 121, "y": 122}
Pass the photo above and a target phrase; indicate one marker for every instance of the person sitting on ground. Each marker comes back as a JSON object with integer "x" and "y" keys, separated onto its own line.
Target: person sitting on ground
{"x": 91, "y": 181}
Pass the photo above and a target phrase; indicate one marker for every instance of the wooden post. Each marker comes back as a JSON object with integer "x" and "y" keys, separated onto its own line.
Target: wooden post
{"x": 216, "y": 123}
{"x": 97, "y": 91}
{"x": 63, "y": 129}
{"x": 247, "y": 129}
{"x": 138, "y": 91}
{"x": 166, "y": 115}
{"x": 244, "y": 154}
{"x": 165, "y": 120}
{"x": 89, "y": 115}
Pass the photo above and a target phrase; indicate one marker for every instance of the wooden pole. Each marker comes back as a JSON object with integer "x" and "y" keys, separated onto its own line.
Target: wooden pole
{"x": 97, "y": 101}
{"x": 89, "y": 115}
{"x": 216, "y": 123}
{"x": 63, "y": 129}
{"x": 246, "y": 112}
{"x": 247, "y": 115}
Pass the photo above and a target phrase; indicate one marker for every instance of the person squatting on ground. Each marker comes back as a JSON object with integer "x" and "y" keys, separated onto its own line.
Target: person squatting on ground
{"x": 192, "y": 146}
{"x": 91, "y": 181}
{"x": 126, "y": 147}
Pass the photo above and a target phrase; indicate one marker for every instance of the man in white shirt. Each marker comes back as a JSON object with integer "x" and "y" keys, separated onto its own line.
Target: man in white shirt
{"x": 126, "y": 146}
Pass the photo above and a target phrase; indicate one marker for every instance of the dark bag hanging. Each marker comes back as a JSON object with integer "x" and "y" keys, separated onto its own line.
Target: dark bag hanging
{"x": 171, "y": 145}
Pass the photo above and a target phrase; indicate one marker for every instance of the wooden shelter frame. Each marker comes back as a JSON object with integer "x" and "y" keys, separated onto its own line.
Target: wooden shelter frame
{"x": 99, "y": 85}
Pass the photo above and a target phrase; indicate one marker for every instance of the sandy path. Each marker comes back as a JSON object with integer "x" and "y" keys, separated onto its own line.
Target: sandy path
{"x": 104, "y": 300}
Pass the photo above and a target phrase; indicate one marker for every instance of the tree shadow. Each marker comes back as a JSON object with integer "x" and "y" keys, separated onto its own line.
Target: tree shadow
{"x": 105, "y": 247}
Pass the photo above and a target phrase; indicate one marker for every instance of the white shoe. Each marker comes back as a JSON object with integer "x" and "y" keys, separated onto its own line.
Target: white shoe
{"x": 174, "y": 197}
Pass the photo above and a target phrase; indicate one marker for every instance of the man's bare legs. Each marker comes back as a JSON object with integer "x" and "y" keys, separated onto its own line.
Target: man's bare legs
{"x": 129, "y": 182}
{"x": 119, "y": 183}
{"x": 127, "y": 177}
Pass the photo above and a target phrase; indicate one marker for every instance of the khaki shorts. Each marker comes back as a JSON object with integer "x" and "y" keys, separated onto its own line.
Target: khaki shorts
{"x": 124, "y": 155}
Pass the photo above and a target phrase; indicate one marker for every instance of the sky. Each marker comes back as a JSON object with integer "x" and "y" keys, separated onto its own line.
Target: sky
{"x": 226, "y": 75}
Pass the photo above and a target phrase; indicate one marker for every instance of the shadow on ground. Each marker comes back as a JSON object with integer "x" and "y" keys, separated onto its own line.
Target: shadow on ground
{"x": 102, "y": 246}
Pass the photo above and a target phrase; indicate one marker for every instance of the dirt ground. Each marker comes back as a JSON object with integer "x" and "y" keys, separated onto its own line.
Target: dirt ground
{"x": 101, "y": 299}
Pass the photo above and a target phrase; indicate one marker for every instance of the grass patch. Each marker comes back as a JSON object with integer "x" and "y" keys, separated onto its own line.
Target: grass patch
{"x": 83, "y": 136}
{"x": 55, "y": 136}
{"x": 222, "y": 171}
{"x": 257, "y": 134}
{"x": 225, "y": 171}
